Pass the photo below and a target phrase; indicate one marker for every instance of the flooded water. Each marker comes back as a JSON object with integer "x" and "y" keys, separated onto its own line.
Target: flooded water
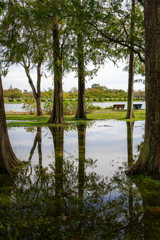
{"x": 74, "y": 186}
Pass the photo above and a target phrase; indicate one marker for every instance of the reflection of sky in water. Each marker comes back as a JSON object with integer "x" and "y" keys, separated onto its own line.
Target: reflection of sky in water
{"x": 106, "y": 141}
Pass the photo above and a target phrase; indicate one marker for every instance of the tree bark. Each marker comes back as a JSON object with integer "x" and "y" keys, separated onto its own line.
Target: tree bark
{"x": 8, "y": 160}
{"x": 36, "y": 94}
{"x": 149, "y": 160}
{"x": 57, "y": 111}
{"x": 130, "y": 112}
{"x": 81, "y": 110}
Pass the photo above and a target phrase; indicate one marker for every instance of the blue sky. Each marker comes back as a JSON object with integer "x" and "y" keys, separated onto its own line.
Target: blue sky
{"x": 108, "y": 75}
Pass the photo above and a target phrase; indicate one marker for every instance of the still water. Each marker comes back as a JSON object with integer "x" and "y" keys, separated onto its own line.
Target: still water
{"x": 17, "y": 107}
{"x": 110, "y": 104}
{"x": 74, "y": 185}
{"x": 105, "y": 143}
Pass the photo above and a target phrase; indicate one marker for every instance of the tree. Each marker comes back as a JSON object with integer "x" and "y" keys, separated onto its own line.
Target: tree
{"x": 130, "y": 112}
{"x": 95, "y": 86}
{"x": 54, "y": 14}
{"x": 8, "y": 159}
{"x": 81, "y": 110}
{"x": 148, "y": 161}
{"x": 29, "y": 47}
{"x": 111, "y": 19}
{"x": 57, "y": 112}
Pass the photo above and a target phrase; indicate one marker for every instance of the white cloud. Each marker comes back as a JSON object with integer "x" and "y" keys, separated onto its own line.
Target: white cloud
{"x": 108, "y": 75}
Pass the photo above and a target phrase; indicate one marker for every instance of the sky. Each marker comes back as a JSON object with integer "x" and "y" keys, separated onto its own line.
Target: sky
{"x": 108, "y": 75}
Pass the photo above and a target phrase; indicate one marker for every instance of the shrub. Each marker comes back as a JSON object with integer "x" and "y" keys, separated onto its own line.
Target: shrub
{"x": 47, "y": 107}
{"x": 108, "y": 107}
{"x": 97, "y": 108}
{"x": 89, "y": 107}
{"x": 70, "y": 107}
{"x": 30, "y": 106}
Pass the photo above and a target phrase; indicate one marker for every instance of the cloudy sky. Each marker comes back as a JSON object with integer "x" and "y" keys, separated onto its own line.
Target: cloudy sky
{"x": 108, "y": 75}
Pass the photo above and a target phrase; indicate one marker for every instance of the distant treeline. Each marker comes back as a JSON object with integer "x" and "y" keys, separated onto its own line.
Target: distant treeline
{"x": 95, "y": 93}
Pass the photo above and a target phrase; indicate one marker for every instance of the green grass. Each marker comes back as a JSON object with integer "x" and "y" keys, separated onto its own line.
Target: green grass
{"x": 116, "y": 114}
{"x": 19, "y": 120}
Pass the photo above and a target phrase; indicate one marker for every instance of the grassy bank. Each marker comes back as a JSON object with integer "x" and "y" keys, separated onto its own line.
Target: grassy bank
{"x": 24, "y": 119}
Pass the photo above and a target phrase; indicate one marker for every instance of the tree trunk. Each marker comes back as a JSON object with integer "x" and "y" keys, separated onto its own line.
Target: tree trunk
{"x": 36, "y": 94}
{"x": 149, "y": 160}
{"x": 81, "y": 110}
{"x": 57, "y": 111}
{"x": 8, "y": 160}
{"x": 130, "y": 112}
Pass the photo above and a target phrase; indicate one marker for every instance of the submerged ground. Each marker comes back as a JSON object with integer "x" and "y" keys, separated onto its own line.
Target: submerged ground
{"x": 74, "y": 185}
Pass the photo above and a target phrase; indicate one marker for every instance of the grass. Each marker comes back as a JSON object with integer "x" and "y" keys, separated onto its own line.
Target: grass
{"x": 19, "y": 119}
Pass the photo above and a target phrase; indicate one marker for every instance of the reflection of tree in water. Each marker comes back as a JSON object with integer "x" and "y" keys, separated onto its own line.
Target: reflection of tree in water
{"x": 68, "y": 203}
{"x": 130, "y": 142}
{"x": 37, "y": 140}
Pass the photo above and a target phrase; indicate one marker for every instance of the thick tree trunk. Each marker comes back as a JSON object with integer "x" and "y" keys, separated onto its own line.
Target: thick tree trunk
{"x": 81, "y": 110}
{"x": 149, "y": 160}
{"x": 8, "y": 160}
{"x": 36, "y": 94}
{"x": 57, "y": 111}
{"x": 130, "y": 112}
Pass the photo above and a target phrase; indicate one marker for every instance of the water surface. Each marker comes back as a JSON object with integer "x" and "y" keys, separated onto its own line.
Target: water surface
{"x": 74, "y": 186}
{"x": 17, "y": 107}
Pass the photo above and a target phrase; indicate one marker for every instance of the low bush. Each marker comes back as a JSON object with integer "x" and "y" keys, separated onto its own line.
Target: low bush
{"x": 69, "y": 107}
{"x": 29, "y": 106}
{"x": 47, "y": 107}
{"x": 108, "y": 107}
{"x": 97, "y": 108}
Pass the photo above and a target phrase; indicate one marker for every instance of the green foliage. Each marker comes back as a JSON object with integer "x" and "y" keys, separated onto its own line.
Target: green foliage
{"x": 89, "y": 107}
{"x": 30, "y": 106}
{"x": 13, "y": 93}
{"x": 70, "y": 107}
{"x": 47, "y": 107}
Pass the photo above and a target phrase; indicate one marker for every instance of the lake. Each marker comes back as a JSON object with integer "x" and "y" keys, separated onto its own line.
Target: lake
{"x": 110, "y": 104}
{"x": 17, "y": 107}
{"x": 74, "y": 185}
